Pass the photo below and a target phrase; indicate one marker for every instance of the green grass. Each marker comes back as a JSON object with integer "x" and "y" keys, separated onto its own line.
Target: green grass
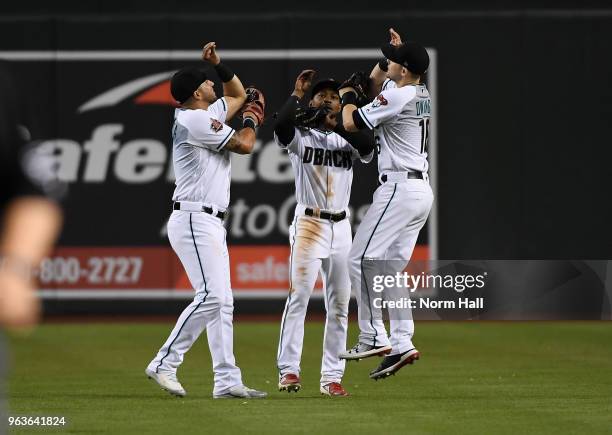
{"x": 485, "y": 378}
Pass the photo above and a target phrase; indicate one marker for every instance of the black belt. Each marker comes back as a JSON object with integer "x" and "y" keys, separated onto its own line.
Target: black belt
{"x": 409, "y": 175}
{"x": 220, "y": 214}
{"x": 335, "y": 217}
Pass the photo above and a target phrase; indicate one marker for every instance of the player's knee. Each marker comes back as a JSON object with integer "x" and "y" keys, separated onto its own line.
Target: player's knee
{"x": 297, "y": 301}
{"x": 227, "y": 309}
{"x": 212, "y": 302}
{"x": 337, "y": 312}
{"x": 353, "y": 254}
{"x": 354, "y": 264}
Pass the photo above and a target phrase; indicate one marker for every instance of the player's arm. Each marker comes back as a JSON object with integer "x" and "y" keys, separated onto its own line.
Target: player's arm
{"x": 31, "y": 225}
{"x": 242, "y": 141}
{"x": 388, "y": 104}
{"x": 362, "y": 141}
{"x": 285, "y": 119}
{"x": 379, "y": 72}
{"x": 233, "y": 91}
{"x": 207, "y": 132}
{"x": 284, "y": 129}
{"x": 378, "y": 76}
{"x": 234, "y": 95}
{"x": 351, "y": 121}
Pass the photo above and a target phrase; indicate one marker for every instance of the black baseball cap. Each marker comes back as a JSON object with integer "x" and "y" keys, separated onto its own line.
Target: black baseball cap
{"x": 411, "y": 55}
{"x": 184, "y": 83}
{"x": 324, "y": 84}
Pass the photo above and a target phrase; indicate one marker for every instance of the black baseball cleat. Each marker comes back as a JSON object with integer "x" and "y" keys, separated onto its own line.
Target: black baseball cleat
{"x": 391, "y": 364}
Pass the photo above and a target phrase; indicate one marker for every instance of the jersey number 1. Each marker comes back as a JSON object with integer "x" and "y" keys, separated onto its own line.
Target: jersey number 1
{"x": 424, "y": 124}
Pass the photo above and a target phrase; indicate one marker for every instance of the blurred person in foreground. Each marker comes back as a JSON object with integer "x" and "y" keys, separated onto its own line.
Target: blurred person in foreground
{"x": 29, "y": 221}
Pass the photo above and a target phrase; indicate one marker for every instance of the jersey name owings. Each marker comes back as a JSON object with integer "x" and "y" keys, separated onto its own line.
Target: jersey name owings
{"x": 336, "y": 158}
{"x": 423, "y": 107}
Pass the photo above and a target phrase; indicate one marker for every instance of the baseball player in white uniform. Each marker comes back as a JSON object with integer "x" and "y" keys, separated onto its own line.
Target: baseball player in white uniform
{"x": 202, "y": 142}
{"x": 322, "y": 156}
{"x": 400, "y": 116}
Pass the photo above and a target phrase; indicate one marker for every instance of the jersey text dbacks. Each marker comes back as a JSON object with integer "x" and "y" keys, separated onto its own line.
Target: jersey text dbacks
{"x": 331, "y": 158}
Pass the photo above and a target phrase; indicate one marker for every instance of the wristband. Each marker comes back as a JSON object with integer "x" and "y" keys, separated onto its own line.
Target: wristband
{"x": 224, "y": 73}
{"x": 250, "y": 123}
{"x": 383, "y": 64}
{"x": 349, "y": 98}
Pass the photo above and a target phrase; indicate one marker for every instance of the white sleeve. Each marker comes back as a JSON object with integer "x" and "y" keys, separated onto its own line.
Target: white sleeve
{"x": 388, "y": 84}
{"x": 218, "y": 109}
{"x": 294, "y": 145}
{"x": 386, "y": 105}
{"x": 208, "y": 132}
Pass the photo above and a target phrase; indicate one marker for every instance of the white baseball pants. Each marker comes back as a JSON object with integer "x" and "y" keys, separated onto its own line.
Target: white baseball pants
{"x": 389, "y": 231}
{"x": 199, "y": 241}
{"x": 316, "y": 245}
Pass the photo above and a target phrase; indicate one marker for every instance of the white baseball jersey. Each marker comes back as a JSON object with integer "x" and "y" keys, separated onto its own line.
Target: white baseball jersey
{"x": 323, "y": 166}
{"x": 202, "y": 168}
{"x": 201, "y": 164}
{"x": 400, "y": 206}
{"x": 400, "y": 118}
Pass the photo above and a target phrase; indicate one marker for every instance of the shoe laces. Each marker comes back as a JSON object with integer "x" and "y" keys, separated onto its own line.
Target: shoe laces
{"x": 172, "y": 377}
{"x": 334, "y": 387}
{"x": 251, "y": 390}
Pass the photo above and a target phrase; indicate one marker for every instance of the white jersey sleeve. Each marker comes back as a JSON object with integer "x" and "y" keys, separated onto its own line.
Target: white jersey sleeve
{"x": 206, "y": 131}
{"x": 218, "y": 109}
{"x": 388, "y": 84}
{"x": 386, "y": 105}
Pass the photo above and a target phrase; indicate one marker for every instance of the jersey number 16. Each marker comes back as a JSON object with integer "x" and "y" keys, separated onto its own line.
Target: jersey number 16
{"x": 424, "y": 124}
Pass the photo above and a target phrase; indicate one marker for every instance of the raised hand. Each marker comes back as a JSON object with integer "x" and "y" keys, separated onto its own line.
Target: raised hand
{"x": 209, "y": 53}
{"x": 396, "y": 39}
{"x": 303, "y": 83}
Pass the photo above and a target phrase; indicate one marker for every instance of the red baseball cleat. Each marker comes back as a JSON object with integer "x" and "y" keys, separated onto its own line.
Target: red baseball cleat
{"x": 289, "y": 382}
{"x": 333, "y": 389}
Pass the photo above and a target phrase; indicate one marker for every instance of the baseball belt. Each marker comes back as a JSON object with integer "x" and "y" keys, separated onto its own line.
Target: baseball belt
{"x": 334, "y": 217}
{"x": 409, "y": 176}
{"x": 219, "y": 214}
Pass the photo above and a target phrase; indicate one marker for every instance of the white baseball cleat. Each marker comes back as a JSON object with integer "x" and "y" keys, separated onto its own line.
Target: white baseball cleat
{"x": 241, "y": 392}
{"x": 362, "y": 350}
{"x": 167, "y": 381}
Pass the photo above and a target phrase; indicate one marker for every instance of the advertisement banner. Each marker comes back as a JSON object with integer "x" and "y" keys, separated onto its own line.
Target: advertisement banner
{"x": 108, "y": 140}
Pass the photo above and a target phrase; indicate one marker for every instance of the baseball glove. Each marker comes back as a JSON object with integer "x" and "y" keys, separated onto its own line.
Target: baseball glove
{"x": 359, "y": 81}
{"x": 310, "y": 117}
{"x": 255, "y": 104}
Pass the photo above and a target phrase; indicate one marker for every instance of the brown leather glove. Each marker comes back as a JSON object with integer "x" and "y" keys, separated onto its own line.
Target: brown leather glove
{"x": 255, "y": 105}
